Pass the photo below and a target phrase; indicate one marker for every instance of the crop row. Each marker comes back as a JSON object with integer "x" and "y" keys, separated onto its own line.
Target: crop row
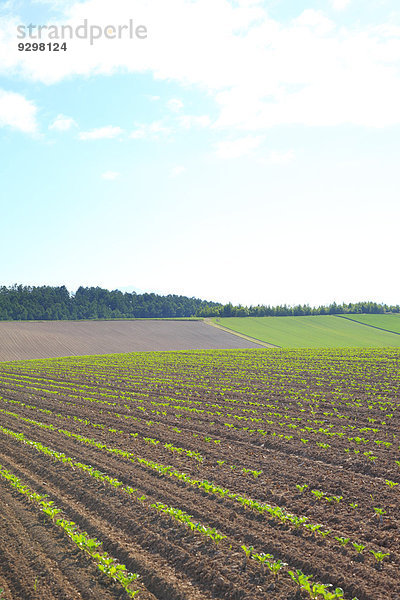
{"x": 293, "y": 429}
{"x": 271, "y": 512}
{"x": 170, "y": 447}
{"x": 275, "y": 566}
{"x": 91, "y": 546}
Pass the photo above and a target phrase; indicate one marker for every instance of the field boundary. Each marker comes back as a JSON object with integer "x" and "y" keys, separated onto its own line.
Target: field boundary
{"x": 367, "y": 324}
{"x": 209, "y": 321}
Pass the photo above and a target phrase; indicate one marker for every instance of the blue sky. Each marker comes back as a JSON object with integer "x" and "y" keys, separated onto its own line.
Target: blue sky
{"x": 245, "y": 151}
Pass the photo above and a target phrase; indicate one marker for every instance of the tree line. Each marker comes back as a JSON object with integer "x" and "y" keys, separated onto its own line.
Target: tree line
{"x": 24, "y": 303}
{"x": 302, "y": 310}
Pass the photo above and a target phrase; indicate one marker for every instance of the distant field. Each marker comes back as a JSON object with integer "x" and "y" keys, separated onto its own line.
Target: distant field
{"x": 21, "y": 340}
{"x": 387, "y": 322}
{"x": 311, "y": 332}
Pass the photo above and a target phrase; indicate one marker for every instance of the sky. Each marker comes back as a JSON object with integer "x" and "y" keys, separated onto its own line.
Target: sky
{"x": 244, "y": 151}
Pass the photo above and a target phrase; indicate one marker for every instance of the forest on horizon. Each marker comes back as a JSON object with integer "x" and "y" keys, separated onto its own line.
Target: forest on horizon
{"x": 25, "y": 303}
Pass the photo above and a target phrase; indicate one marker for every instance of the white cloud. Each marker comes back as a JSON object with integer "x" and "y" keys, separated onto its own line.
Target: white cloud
{"x": 178, "y": 170}
{"x": 149, "y": 130}
{"x": 261, "y": 72}
{"x": 239, "y": 147}
{"x": 62, "y": 123}
{"x": 101, "y": 133}
{"x": 340, "y": 4}
{"x": 17, "y": 112}
{"x": 189, "y": 121}
{"x": 110, "y": 175}
{"x": 315, "y": 21}
{"x": 175, "y": 105}
{"x": 278, "y": 158}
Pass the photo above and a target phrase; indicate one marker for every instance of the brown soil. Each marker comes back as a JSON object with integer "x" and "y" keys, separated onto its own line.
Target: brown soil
{"x": 175, "y": 563}
{"x": 26, "y": 340}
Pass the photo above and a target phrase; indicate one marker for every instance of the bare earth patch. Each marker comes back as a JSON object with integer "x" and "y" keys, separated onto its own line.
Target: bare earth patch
{"x": 48, "y": 339}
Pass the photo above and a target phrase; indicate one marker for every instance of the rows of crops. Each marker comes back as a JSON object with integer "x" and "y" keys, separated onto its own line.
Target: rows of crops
{"x": 196, "y": 475}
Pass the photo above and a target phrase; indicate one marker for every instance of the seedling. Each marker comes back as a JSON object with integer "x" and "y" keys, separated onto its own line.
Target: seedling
{"x": 338, "y": 593}
{"x": 217, "y": 537}
{"x": 319, "y": 495}
{"x": 300, "y": 579}
{"x": 342, "y": 540}
{"x": 297, "y": 521}
{"x": 262, "y": 558}
{"x": 302, "y": 488}
{"x": 379, "y": 557}
{"x": 390, "y": 483}
{"x": 380, "y": 512}
{"x": 324, "y": 533}
{"x": 248, "y": 551}
{"x": 275, "y": 567}
{"x": 313, "y": 528}
{"x": 358, "y": 547}
{"x": 337, "y": 498}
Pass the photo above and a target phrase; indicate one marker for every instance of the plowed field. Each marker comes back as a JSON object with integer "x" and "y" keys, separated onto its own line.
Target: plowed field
{"x": 218, "y": 474}
{"x": 20, "y": 340}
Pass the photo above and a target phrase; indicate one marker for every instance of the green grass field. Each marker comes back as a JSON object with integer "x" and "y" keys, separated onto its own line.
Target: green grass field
{"x": 311, "y": 332}
{"x": 387, "y": 322}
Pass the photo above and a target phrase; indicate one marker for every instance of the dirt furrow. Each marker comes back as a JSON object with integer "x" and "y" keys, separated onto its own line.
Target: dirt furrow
{"x": 243, "y": 527}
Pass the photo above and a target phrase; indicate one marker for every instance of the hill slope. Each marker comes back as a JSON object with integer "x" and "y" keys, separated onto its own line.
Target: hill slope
{"x": 311, "y": 332}
{"x": 24, "y": 340}
{"x": 387, "y": 322}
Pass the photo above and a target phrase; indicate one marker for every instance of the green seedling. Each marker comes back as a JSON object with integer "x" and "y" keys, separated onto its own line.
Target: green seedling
{"x": 319, "y": 495}
{"x": 299, "y": 578}
{"x": 275, "y": 567}
{"x": 304, "y": 583}
{"x": 342, "y": 540}
{"x": 380, "y": 512}
{"x": 302, "y": 488}
{"x": 248, "y": 551}
{"x": 324, "y": 533}
{"x": 297, "y": 521}
{"x": 379, "y": 557}
{"x": 358, "y": 547}
{"x": 262, "y": 558}
{"x": 256, "y": 474}
{"x": 390, "y": 483}
{"x": 313, "y": 527}
{"x": 337, "y": 498}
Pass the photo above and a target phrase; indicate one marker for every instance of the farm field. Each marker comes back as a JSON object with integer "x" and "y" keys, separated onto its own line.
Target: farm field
{"x": 311, "y": 332}
{"x": 236, "y": 474}
{"x": 21, "y": 340}
{"x": 386, "y": 322}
